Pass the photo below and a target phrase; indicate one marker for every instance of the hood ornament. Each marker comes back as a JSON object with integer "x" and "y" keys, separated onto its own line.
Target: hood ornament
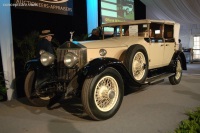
{"x": 71, "y": 39}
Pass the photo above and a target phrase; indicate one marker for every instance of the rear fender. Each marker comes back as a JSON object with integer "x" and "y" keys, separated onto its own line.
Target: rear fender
{"x": 183, "y": 59}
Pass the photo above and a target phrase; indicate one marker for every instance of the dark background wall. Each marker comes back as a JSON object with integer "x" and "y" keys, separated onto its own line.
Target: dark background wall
{"x": 25, "y": 21}
{"x": 140, "y": 10}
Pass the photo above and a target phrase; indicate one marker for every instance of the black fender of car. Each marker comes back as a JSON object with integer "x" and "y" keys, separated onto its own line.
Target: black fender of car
{"x": 43, "y": 73}
{"x": 183, "y": 59}
{"x": 33, "y": 64}
{"x": 98, "y": 65}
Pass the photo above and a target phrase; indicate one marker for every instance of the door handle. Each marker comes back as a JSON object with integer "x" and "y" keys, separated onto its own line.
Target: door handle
{"x": 167, "y": 45}
{"x": 161, "y": 45}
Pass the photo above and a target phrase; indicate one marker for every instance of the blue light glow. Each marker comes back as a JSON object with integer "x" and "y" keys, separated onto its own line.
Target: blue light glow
{"x": 92, "y": 15}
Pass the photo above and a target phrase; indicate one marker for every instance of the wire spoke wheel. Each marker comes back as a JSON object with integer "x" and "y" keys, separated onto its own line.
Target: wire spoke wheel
{"x": 106, "y": 93}
{"x": 176, "y": 78}
{"x": 102, "y": 94}
{"x": 138, "y": 68}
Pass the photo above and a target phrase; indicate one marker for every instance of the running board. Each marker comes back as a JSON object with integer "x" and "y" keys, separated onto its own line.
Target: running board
{"x": 158, "y": 79}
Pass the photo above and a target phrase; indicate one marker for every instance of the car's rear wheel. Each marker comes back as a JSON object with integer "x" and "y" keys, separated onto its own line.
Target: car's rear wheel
{"x": 102, "y": 95}
{"x": 136, "y": 61}
{"x": 176, "y": 78}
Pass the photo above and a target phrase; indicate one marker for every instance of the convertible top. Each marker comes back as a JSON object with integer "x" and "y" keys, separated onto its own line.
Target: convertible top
{"x": 138, "y": 22}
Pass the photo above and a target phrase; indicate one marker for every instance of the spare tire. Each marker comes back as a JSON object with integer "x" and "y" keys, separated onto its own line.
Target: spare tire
{"x": 136, "y": 62}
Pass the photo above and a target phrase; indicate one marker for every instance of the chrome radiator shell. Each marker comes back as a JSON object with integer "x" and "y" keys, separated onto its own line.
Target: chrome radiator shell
{"x": 63, "y": 72}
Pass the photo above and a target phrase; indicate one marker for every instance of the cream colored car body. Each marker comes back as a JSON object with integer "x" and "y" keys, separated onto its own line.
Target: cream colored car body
{"x": 159, "y": 54}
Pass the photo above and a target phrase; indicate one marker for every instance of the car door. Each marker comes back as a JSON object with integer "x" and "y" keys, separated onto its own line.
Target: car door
{"x": 156, "y": 45}
{"x": 169, "y": 45}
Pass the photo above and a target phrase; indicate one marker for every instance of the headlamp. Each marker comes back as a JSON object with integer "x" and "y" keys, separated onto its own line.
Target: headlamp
{"x": 46, "y": 58}
{"x": 70, "y": 59}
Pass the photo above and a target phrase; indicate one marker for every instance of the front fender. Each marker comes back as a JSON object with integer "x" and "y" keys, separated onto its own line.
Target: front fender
{"x": 33, "y": 64}
{"x": 43, "y": 74}
{"x": 98, "y": 65}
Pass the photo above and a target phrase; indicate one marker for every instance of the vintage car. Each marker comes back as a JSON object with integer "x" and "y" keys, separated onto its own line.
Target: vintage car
{"x": 129, "y": 54}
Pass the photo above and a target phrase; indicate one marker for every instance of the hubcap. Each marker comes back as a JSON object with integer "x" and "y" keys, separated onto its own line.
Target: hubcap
{"x": 138, "y": 66}
{"x": 111, "y": 94}
{"x": 106, "y": 93}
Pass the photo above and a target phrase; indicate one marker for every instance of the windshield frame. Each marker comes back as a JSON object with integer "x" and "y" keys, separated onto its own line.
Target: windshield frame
{"x": 137, "y": 30}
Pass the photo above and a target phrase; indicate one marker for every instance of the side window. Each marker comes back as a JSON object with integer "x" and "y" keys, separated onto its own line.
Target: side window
{"x": 116, "y": 31}
{"x": 143, "y": 30}
{"x": 134, "y": 30}
{"x": 110, "y": 31}
{"x": 125, "y": 30}
{"x": 156, "y": 30}
{"x": 169, "y": 33}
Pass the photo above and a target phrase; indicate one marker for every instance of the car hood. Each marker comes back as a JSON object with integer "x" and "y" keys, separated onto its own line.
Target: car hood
{"x": 123, "y": 41}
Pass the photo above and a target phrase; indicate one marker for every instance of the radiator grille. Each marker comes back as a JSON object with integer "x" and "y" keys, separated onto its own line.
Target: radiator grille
{"x": 65, "y": 73}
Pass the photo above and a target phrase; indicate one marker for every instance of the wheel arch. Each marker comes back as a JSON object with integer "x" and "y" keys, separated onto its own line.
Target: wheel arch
{"x": 98, "y": 65}
{"x": 135, "y": 45}
{"x": 183, "y": 59}
{"x": 140, "y": 45}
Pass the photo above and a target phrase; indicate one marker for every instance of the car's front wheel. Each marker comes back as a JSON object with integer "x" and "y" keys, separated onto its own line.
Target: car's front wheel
{"x": 102, "y": 95}
{"x": 176, "y": 78}
{"x": 30, "y": 91}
